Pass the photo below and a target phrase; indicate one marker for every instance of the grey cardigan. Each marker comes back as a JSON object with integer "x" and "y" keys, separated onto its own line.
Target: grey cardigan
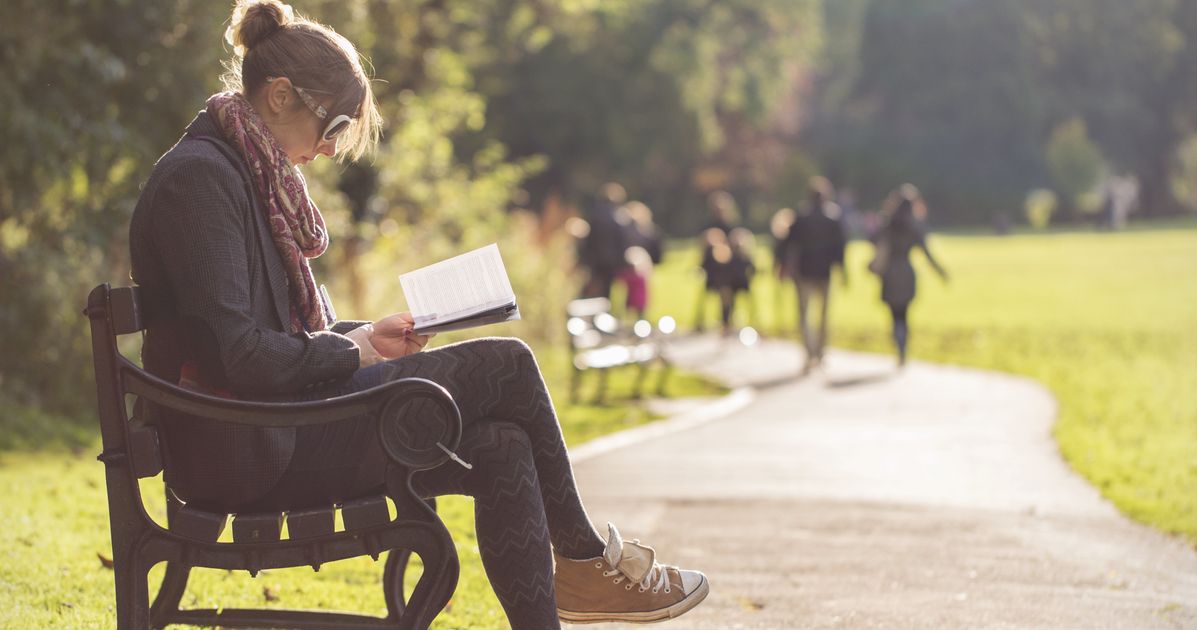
{"x": 202, "y": 252}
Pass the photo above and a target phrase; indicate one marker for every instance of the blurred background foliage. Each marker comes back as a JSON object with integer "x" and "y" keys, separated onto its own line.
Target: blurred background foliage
{"x": 504, "y": 117}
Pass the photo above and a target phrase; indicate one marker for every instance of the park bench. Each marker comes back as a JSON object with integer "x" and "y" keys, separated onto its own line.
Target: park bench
{"x": 599, "y": 341}
{"x": 191, "y": 536}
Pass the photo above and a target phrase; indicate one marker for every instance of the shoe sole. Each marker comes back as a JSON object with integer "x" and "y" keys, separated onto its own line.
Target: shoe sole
{"x": 650, "y": 616}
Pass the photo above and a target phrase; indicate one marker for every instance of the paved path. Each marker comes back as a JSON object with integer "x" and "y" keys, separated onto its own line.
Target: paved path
{"x": 863, "y": 497}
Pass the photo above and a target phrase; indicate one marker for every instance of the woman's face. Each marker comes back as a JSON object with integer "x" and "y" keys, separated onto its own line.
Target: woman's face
{"x": 296, "y": 127}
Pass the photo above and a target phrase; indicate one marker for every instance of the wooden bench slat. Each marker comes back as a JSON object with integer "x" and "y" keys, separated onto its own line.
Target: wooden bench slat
{"x": 264, "y": 527}
{"x": 365, "y": 513}
{"x": 311, "y": 523}
{"x": 198, "y": 524}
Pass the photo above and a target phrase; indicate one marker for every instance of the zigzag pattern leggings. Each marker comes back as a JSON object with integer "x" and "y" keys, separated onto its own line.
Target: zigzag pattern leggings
{"x": 522, "y": 481}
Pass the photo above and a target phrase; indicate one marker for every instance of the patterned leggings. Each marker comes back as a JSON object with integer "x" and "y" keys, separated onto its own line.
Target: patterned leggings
{"x": 522, "y": 481}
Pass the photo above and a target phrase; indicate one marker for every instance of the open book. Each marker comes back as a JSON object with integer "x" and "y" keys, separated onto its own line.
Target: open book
{"x": 462, "y": 292}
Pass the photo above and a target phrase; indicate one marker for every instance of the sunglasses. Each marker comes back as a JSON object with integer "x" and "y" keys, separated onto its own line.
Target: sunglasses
{"x": 335, "y": 127}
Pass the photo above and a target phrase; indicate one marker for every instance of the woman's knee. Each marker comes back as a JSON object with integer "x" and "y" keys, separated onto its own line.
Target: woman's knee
{"x": 504, "y": 462}
{"x": 499, "y": 445}
{"x": 513, "y": 347}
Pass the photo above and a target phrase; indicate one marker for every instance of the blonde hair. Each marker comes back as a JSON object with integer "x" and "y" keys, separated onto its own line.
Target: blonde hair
{"x": 271, "y": 40}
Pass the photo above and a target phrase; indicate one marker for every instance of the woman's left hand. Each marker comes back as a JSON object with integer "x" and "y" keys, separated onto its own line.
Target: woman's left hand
{"x": 394, "y": 336}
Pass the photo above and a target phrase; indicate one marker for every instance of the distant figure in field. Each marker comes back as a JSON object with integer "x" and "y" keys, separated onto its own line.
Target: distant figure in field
{"x": 603, "y": 249}
{"x": 779, "y": 229}
{"x": 644, "y": 251}
{"x": 716, "y": 256}
{"x": 814, "y": 246}
{"x": 1120, "y": 194}
{"x": 716, "y": 234}
{"x": 737, "y": 277}
{"x": 902, "y": 231}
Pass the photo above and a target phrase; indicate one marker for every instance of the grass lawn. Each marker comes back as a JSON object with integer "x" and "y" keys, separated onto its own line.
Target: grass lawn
{"x": 1107, "y": 321}
{"x": 55, "y": 511}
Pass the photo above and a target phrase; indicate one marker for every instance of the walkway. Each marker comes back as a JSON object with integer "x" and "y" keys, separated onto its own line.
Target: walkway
{"x": 863, "y": 497}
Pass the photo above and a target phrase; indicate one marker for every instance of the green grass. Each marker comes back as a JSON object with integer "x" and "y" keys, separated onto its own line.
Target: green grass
{"x": 1107, "y": 321}
{"x": 56, "y": 517}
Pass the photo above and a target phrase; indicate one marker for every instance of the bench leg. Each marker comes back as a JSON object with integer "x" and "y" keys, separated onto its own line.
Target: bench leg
{"x": 602, "y": 387}
{"x": 174, "y": 583}
{"x": 430, "y": 540}
{"x": 132, "y": 588}
{"x": 665, "y": 368}
{"x": 638, "y": 387}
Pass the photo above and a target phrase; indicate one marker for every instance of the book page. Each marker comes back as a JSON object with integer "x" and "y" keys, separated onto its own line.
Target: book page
{"x": 458, "y": 287}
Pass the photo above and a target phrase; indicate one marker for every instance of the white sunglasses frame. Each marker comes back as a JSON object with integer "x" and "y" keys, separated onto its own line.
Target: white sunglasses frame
{"x": 335, "y": 127}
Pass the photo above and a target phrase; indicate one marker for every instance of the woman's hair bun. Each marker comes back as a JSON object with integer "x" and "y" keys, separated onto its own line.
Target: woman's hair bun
{"x": 255, "y": 20}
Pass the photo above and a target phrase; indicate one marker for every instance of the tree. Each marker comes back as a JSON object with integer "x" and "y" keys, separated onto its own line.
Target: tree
{"x": 1074, "y": 164}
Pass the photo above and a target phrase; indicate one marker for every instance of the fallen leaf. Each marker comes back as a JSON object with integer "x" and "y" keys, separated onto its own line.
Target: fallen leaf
{"x": 105, "y": 561}
{"x": 751, "y": 605}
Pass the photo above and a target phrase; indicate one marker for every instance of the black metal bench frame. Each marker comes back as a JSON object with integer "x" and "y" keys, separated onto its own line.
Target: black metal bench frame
{"x": 598, "y": 341}
{"x": 131, "y": 452}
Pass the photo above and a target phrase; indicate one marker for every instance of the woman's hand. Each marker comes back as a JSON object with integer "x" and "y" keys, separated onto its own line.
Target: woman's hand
{"x": 394, "y": 336}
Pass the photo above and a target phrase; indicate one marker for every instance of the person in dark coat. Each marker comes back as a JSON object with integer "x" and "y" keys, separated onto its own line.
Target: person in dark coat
{"x": 738, "y": 274}
{"x": 716, "y": 234}
{"x": 607, "y": 242}
{"x": 902, "y": 232}
{"x": 220, "y": 241}
{"x": 814, "y": 247}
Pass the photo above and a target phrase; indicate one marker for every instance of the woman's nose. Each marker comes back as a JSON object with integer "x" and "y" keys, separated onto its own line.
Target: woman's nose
{"x": 328, "y": 147}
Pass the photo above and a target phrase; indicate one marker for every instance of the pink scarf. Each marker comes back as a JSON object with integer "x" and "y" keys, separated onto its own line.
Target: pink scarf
{"x": 295, "y": 222}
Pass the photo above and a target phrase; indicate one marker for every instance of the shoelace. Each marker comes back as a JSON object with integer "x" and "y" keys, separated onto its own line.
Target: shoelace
{"x": 659, "y": 572}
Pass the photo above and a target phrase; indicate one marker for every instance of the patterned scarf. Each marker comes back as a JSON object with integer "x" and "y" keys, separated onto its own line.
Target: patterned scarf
{"x": 295, "y": 222}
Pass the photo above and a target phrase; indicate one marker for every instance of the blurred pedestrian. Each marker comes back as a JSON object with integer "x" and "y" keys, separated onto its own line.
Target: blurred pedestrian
{"x": 902, "y": 231}
{"x": 779, "y": 229}
{"x": 643, "y": 253}
{"x": 715, "y": 238}
{"x": 716, "y": 256}
{"x": 606, "y": 243}
{"x": 815, "y": 246}
{"x": 737, "y": 276}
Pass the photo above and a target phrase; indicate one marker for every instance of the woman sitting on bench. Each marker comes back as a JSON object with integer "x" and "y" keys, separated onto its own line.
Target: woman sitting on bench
{"x": 221, "y": 238}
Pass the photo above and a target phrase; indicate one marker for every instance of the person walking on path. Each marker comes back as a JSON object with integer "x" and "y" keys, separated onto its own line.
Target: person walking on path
{"x": 606, "y": 242}
{"x": 643, "y": 253}
{"x": 902, "y": 231}
{"x": 814, "y": 246}
{"x": 716, "y": 251}
{"x": 740, "y": 271}
{"x": 220, "y": 241}
{"x": 779, "y": 230}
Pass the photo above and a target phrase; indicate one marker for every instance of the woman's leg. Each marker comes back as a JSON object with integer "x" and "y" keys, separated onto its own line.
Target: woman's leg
{"x": 509, "y": 518}
{"x": 498, "y": 379}
{"x": 901, "y": 331}
{"x": 727, "y": 302}
{"x": 521, "y": 478}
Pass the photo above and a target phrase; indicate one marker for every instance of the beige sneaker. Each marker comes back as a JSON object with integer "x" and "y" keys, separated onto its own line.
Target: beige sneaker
{"x": 625, "y": 584}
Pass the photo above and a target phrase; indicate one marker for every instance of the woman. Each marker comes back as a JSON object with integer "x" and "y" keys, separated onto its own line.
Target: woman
{"x": 902, "y": 232}
{"x": 220, "y": 240}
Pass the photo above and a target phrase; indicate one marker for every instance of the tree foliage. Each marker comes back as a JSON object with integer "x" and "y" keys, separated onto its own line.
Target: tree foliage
{"x": 962, "y": 97}
{"x": 494, "y": 107}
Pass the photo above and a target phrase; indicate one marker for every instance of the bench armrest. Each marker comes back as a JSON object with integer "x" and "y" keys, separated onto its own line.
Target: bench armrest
{"x": 385, "y": 402}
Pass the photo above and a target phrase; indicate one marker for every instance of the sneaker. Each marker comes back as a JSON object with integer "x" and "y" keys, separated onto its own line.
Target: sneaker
{"x": 625, "y": 584}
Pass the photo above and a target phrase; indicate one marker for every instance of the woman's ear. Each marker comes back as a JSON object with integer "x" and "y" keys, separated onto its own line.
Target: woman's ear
{"x": 278, "y": 95}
